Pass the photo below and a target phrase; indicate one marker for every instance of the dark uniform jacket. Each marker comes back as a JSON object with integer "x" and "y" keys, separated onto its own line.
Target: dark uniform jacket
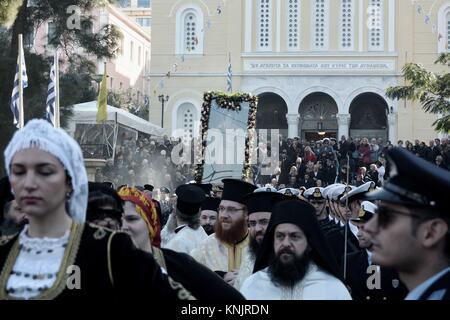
{"x": 110, "y": 267}
{"x": 443, "y": 283}
{"x": 356, "y": 278}
{"x": 335, "y": 237}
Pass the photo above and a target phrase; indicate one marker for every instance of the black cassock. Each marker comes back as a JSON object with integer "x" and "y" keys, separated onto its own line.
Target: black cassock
{"x": 109, "y": 265}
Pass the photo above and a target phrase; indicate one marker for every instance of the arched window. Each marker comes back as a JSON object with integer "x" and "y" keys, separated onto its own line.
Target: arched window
{"x": 347, "y": 25}
{"x": 264, "y": 27}
{"x": 444, "y": 28}
{"x": 187, "y": 121}
{"x": 320, "y": 20}
{"x": 293, "y": 23}
{"x": 189, "y": 31}
{"x": 375, "y": 24}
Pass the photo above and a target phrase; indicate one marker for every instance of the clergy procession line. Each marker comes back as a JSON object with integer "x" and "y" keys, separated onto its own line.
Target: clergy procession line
{"x": 220, "y": 243}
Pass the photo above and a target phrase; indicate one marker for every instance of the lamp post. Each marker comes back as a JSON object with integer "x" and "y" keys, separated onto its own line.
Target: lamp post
{"x": 163, "y": 100}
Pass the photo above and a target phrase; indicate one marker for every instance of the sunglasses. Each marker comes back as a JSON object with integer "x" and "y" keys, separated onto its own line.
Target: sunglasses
{"x": 386, "y": 216}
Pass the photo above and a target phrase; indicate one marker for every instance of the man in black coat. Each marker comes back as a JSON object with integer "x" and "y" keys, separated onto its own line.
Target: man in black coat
{"x": 366, "y": 280}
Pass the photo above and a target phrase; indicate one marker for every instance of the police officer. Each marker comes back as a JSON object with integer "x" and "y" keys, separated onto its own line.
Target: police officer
{"x": 410, "y": 233}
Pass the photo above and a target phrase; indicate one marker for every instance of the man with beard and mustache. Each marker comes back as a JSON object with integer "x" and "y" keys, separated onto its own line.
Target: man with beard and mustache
{"x": 259, "y": 205}
{"x": 295, "y": 262}
{"x": 358, "y": 263}
{"x": 224, "y": 250}
{"x": 208, "y": 214}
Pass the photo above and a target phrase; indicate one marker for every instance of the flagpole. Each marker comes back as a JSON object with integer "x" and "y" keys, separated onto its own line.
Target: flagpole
{"x": 104, "y": 120}
{"x": 21, "y": 115}
{"x": 57, "y": 117}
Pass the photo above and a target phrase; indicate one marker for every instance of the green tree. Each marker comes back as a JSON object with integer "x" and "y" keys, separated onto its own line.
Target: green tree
{"x": 431, "y": 89}
{"x": 130, "y": 101}
{"x": 76, "y": 82}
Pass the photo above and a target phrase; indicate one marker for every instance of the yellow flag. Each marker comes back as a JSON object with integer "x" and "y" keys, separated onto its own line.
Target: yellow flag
{"x": 101, "y": 101}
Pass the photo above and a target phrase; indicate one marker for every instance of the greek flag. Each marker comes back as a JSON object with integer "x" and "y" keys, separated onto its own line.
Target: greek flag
{"x": 51, "y": 96}
{"x": 229, "y": 75}
{"x": 15, "y": 108}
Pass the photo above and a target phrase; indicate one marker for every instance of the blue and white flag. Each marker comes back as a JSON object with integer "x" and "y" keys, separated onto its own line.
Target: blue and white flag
{"x": 15, "y": 108}
{"x": 51, "y": 95}
{"x": 229, "y": 75}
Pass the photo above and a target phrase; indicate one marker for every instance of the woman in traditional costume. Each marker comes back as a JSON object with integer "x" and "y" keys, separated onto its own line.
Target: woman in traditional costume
{"x": 57, "y": 255}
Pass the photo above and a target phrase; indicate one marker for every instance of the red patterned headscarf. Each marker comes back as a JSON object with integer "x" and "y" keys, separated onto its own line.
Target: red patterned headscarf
{"x": 146, "y": 209}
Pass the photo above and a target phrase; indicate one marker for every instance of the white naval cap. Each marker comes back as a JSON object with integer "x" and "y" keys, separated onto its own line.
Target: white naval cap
{"x": 314, "y": 193}
{"x": 290, "y": 192}
{"x": 265, "y": 189}
{"x": 358, "y": 192}
{"x": 339, "y": 191}
{"x": 369, "y": 206}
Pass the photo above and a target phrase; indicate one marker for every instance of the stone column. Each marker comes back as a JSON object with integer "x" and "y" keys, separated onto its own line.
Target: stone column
{"x": 343, "y": 125}
{"x": 392, "y": 128}
{"x": 92, "y": 165}
{"x": 292, "y": 120}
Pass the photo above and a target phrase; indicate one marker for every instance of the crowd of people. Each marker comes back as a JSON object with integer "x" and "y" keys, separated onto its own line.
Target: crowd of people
{"x": 146, "y": 160}
{"x": 324, "y": 162}
{"x": 319, "y": 228}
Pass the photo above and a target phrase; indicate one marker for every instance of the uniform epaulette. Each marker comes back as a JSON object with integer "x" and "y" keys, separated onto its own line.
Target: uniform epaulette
{"x": 5, "y": 239}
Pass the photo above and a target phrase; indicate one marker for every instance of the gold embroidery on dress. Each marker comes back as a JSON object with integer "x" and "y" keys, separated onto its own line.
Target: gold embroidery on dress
{"x": 5, "y": 239}
{"x": 182, "y": 294}
{"x": 235, "y": 253}
{"x": 60, "y": 284}
{"x": 99, "y": 234}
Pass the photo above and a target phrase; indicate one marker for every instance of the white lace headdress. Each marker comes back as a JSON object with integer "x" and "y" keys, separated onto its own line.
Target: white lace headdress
{"x": 40, "y": 134}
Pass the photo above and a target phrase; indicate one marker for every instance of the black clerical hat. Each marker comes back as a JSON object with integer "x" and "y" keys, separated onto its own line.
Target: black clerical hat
{"x": 210, "y": 203}
{"x": 261, "y": 201}
{"x": 414, "y": 182}
{"x": 206, "y": 187}
{"x": 235, "y": 190}
{"x": 189, "y": 199}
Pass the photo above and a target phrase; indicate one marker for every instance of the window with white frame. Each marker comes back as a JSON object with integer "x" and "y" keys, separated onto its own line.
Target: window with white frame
{"x": 375, "y": 23}
{"x": 320, "y": 22}
{"x": 264, "y": 29}
{"x": 293, "y": 14}
{"x": 347, "y": 25}
{"x": 144, "y": 21}
{"x": 189, "y": 31}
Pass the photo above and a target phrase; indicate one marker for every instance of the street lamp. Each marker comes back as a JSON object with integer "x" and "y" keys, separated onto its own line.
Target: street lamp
{"x": 163, "y": 99}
